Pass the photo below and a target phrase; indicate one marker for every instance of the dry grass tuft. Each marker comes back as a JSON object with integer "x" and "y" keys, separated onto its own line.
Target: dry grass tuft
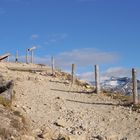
{"x": 125, "y": 100}
{"x": 119, "y": 96}
{"x": 24, "y": 120}
{"x": 5, "y": 102}
{"x": 17, "y": 113}
{"x": 4, "y": 133}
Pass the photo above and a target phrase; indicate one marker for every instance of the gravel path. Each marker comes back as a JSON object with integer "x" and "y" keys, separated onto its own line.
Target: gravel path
{"x": 49, "y": 104}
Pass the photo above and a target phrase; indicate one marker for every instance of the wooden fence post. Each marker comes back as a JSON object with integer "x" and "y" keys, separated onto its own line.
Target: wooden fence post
{"x": 135, "y": 90}
{"x": 73, "y": 74}
{"x": 16, "y": 60}
{"x": 53, "y": 67}
{"x": 97, "y": 79}
{"x": 32, "y": 56}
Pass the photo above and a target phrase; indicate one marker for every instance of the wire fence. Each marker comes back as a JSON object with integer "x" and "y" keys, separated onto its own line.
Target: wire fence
{"x": 131, "y": 88}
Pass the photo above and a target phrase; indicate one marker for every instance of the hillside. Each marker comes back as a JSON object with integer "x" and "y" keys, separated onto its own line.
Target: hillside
{"x": 57, "y": 112}
{"x": 119, "y": 85}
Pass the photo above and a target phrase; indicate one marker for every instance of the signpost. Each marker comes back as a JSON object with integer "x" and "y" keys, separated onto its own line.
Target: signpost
{"x": 31, "y": 50}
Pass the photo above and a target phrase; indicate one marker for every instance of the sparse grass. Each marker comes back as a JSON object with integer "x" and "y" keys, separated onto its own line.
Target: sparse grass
{"x": 16, "y": 124}
{"x": 17, "y": 113}
{"x": 14, "y": 95}
{"x": 137, "y": 107}
{"x": 4, "y": 133}
{"x": 119, "y": 96}
{"x": 23, "y": 119}
{"x": 5, "y": 102}
{"x": 124, "y": 99}
{"x": 20, "y": 126}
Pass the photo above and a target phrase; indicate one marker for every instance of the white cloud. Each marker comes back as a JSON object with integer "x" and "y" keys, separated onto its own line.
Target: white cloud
{"x": 88, "y": 76}
{"x": 85, "y": 57}
{"x": 34, "y": 36}
{"x": 114, "y": 71}
{"x": 119, "y": 72}
{"x": 52, "y": 38}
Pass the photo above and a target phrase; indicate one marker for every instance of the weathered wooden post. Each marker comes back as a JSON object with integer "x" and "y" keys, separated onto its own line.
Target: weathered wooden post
{"x": 73, "y": 74}
{"x": 135, "y": 90}
{"x": 16, "y": 60}
{"x": 32, "y": 56}
{"x": 97, "y": 79}
{"x": 53, "y": 67}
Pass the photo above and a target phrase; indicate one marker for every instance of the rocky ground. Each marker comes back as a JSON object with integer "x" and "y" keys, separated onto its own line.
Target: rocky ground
{"x": 57, "y": 111}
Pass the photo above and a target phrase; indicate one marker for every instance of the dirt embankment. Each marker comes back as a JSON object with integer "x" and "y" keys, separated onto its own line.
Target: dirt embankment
{"x": 59, "y": 111}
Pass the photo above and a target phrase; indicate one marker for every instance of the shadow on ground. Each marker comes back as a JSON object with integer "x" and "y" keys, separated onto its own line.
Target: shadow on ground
{"x": 92, "y": 103}
{"x": 124, "y": 104}
{"x": 74, "y": 91}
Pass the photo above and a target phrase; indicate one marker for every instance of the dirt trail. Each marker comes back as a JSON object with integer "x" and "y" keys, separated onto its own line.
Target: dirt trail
{"x": 47, "y": 103}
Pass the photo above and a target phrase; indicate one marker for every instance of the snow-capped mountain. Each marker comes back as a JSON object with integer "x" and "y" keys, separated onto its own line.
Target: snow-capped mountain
{"x": 121, "y": 85}
{"x": 116, "y": 84}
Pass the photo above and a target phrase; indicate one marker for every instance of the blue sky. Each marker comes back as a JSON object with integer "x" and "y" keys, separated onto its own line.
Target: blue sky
{"x": 85, "y": 32}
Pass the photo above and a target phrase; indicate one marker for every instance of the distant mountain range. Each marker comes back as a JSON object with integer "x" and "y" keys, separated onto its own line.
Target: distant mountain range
{"x": 119, "y": 85}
